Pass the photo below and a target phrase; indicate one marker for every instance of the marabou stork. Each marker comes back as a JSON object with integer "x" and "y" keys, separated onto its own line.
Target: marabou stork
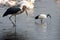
{"x": 13, "y": 11}
{"x": 23, "y": 6}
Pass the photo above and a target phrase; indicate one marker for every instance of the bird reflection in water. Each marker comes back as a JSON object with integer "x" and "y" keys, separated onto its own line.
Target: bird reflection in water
{"x": 42, "y": 26}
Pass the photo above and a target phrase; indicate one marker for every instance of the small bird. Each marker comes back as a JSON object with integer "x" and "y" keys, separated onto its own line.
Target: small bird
{"x": 3, "y": 2}
{"x": 32, "y": 1}
{"x": 0, "y": 1}
{"x": 42, "y": 16}
{"x": 13, "y": 11}
{"x": 11, "y": 3}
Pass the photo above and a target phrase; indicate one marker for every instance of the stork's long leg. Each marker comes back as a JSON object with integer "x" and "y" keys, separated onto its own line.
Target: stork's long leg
{"x": 15, "y": 26}
{"x": 15, "y": 23}
{"x": 15, "y": 20}
{"x": 11, "y": 20}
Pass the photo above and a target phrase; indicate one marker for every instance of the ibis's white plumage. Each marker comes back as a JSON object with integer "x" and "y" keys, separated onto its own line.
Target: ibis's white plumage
{"x": 42, "y": 16}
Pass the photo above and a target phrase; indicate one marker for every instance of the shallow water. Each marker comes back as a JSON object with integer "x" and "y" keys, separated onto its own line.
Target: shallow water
{"x": 32, "y": 29}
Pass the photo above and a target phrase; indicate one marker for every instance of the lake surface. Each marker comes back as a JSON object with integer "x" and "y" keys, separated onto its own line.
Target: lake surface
{"x": 30, "y": 28}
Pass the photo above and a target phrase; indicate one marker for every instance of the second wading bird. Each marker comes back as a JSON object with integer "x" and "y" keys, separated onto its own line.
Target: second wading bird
{"x": 13, "y": 11}
{"x": 42, "y": 16}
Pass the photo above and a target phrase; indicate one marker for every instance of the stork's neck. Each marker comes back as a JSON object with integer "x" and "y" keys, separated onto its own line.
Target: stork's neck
{"x": 24, "y": 8}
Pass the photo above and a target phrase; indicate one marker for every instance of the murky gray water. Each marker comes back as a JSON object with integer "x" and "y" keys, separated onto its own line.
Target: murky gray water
{"x": 32, "y": 29}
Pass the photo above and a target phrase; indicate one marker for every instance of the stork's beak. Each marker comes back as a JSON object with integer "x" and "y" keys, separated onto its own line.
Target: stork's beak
{"x": 25, "y": 9}
{"x": 26, "y": 12}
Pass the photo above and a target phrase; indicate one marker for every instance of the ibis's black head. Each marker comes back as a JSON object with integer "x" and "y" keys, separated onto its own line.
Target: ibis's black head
{"x": 37, "y": 17}
{"x": 48, "y": 15}
{"x": 24, "y": 8}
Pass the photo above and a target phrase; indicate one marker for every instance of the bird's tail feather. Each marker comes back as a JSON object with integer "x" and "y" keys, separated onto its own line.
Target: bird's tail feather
{"x": 37, "y": 17}
{"x": 4, "y": 15}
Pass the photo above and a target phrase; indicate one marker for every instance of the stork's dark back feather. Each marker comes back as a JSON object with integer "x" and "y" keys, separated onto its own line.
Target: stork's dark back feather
{"x": 11, "y": 10}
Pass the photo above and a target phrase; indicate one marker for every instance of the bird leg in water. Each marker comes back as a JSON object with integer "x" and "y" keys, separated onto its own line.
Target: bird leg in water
{"x": 15, "y": 20}
{"x": 41, "y": 20}
{"x": 15, "y": 26}
{"x": 12, "y": 21}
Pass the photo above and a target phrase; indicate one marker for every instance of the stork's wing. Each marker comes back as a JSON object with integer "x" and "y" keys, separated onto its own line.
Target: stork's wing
{"x": 11, "y": 10}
